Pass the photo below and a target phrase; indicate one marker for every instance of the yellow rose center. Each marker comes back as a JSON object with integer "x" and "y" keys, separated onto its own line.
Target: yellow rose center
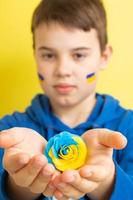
{"x": 67, "y": 152}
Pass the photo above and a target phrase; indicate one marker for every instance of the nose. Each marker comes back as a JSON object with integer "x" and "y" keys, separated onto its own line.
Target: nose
{"x": 63, "y": 67}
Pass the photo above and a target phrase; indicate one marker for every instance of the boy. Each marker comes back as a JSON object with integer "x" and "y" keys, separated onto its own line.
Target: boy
{"x": 70, "y": 47}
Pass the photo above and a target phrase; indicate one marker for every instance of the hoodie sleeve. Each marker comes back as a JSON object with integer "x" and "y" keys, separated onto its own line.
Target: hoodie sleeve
{"x": 3, "y": 195}
{"x": 123, "y": 187}
{"x": 17, "y": 119}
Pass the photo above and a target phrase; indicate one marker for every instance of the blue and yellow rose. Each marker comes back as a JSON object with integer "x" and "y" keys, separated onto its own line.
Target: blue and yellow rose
{"x": 66, "y": 151}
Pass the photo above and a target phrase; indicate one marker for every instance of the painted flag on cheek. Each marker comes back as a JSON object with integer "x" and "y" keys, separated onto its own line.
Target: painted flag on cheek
{"x": 91, "y": 77}
{"x": 41, "y": 78}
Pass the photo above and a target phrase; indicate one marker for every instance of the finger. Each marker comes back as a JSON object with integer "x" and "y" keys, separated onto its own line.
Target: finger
{"x": 13, "y": 163}
{"x": 26, "y": 176}
{"x": 69, "y": 191}
{"x": 96, "y": 173}
{"x": 74, "y": 179}
{"x": 105, "y": 137}
{"x": 50, "y": 189}
{"x": 59, "y": 195}
{"x": 11, "y": 137}
{"x": 63, "y": 184}
{"x": 39, "y": 185}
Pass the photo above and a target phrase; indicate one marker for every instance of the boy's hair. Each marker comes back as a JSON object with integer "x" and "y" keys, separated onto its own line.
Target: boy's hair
{"x": 81, "y": 14}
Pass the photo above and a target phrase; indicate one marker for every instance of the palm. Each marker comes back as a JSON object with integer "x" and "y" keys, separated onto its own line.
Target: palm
{"x": 101, "y": 142}
{"x": 23, "y": 140}
{"x": 33, "y": 143}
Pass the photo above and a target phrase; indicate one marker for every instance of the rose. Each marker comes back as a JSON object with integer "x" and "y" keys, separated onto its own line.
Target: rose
{"x": 66, "y": 151}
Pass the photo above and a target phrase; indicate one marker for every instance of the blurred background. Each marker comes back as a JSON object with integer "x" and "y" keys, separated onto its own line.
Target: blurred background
{"x": 18, "y": 80}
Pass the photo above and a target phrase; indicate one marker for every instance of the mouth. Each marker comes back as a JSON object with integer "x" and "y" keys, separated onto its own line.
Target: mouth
{"x": 64, "y": 88}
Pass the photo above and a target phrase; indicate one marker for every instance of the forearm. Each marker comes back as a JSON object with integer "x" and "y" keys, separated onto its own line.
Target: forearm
{"x": 16, "y": 192}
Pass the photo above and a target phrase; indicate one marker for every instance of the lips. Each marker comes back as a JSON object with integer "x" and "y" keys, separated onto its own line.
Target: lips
{"x": 64, "y": 88}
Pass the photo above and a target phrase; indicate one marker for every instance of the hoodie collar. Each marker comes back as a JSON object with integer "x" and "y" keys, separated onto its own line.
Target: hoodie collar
{"x": 104, "y": 111}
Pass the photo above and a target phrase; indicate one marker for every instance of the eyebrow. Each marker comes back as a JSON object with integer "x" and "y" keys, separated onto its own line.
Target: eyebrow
{"x": 74, "y": 49}
{"x": 45, "y": 48}
{"x": 81, "y": 48}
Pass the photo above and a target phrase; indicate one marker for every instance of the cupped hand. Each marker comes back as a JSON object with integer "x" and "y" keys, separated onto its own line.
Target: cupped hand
{"x": 96, "y": 177}
{"x": 24, "y": 160}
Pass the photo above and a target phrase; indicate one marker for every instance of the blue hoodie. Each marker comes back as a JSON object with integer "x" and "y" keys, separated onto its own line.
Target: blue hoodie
{"x": 107, "y": 113}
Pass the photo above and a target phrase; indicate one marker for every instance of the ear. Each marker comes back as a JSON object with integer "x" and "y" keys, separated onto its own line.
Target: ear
{"x": 105, "y": 56}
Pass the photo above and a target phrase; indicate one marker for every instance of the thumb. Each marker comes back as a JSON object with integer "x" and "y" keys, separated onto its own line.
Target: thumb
{"x": 106, "y": 137}
{"x": 11, "y": 137}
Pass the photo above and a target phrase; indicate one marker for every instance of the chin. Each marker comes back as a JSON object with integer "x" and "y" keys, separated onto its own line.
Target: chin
{"x": 65, "y": 102}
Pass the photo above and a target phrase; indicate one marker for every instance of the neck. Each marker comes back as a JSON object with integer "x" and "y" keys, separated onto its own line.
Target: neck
{"x": 76, "y": 114}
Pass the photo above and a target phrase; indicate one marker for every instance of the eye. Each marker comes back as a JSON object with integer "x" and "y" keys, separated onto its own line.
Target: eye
{"x": 79, "y": 56}
{"x": 48, "y": 56}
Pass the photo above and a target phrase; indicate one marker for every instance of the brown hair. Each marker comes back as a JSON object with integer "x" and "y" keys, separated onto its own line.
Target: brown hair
{"x": 81, "y": 14}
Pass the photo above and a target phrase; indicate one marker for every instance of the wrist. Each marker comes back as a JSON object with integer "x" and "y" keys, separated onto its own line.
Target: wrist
{"x": 104, "y": 190}
{"x": 16, "y": 192}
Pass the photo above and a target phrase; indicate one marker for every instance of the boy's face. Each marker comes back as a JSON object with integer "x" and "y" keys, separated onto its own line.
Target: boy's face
{"x": 68, "y": 62}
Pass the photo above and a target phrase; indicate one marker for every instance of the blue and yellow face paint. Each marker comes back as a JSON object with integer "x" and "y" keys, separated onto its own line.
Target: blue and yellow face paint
{"x": 41, "y": 77}
{"x": 91, "y": 77}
